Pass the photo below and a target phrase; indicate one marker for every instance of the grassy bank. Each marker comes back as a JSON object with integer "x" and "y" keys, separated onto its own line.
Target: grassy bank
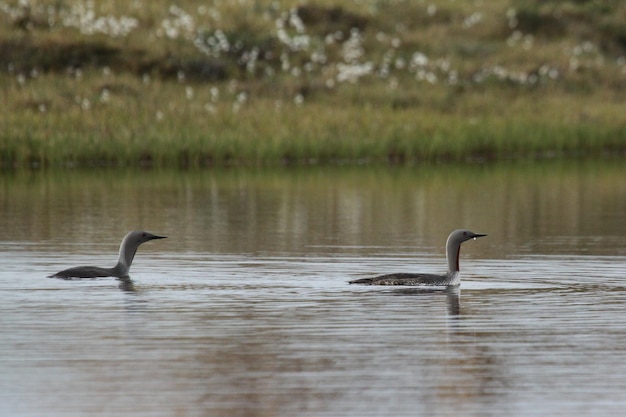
{"x": 148, "y": 83}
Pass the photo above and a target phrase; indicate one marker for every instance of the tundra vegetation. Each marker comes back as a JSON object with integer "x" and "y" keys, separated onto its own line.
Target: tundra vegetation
{"x": 262, "y": 82}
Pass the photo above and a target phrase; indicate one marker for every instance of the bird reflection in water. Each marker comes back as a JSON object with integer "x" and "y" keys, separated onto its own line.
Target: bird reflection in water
{"x": 453, "y": 296}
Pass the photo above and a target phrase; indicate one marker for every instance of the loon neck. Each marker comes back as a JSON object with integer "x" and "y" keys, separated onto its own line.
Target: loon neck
{"x": 126, "y": 256}
{"x": 453, "y": 250}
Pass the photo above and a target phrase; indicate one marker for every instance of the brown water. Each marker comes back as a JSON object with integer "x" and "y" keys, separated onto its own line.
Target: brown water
{"x": 245, "y": 309}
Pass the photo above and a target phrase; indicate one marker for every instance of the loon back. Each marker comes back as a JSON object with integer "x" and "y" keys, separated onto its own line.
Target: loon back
{"x": 84, "y": 272}
{"x": 405, "y": 278}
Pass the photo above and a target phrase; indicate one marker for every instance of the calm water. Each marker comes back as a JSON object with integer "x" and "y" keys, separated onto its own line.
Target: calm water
{"x": 245, "y": 311}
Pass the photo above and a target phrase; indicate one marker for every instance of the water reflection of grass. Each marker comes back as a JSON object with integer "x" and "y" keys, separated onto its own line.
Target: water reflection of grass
{"x": 120, "y": 83}
{"x": 282, "y": 208}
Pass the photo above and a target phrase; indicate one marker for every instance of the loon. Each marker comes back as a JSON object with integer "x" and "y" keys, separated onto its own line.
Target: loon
{"x": 451, "y": 278}
{"x": 128, "y": 248}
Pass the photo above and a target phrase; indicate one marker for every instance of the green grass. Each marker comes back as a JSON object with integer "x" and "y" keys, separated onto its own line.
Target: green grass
{"x": 344, "y": 82}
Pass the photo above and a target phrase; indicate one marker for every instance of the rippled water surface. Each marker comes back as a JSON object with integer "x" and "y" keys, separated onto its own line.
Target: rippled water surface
{"x": 245, "y": 309}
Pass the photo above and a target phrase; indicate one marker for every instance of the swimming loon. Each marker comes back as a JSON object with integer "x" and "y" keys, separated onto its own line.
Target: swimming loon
{"x": 452, "y": 277}
{"x": 128, "y": 248}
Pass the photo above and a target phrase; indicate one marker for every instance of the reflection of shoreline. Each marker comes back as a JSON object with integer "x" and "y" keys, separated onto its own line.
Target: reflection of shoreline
{"x": 311, "y": 205}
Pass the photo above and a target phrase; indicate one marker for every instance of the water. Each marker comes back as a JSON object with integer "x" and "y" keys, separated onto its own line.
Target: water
{"x": 245, "y": 309}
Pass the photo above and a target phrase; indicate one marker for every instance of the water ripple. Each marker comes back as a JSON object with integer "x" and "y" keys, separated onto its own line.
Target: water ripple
{"x": 211, "y": 334}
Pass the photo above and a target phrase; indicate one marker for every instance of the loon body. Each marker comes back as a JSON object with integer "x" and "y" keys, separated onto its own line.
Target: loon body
{"x": 450, "y": 278}
{"x": 128, "y": 248}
